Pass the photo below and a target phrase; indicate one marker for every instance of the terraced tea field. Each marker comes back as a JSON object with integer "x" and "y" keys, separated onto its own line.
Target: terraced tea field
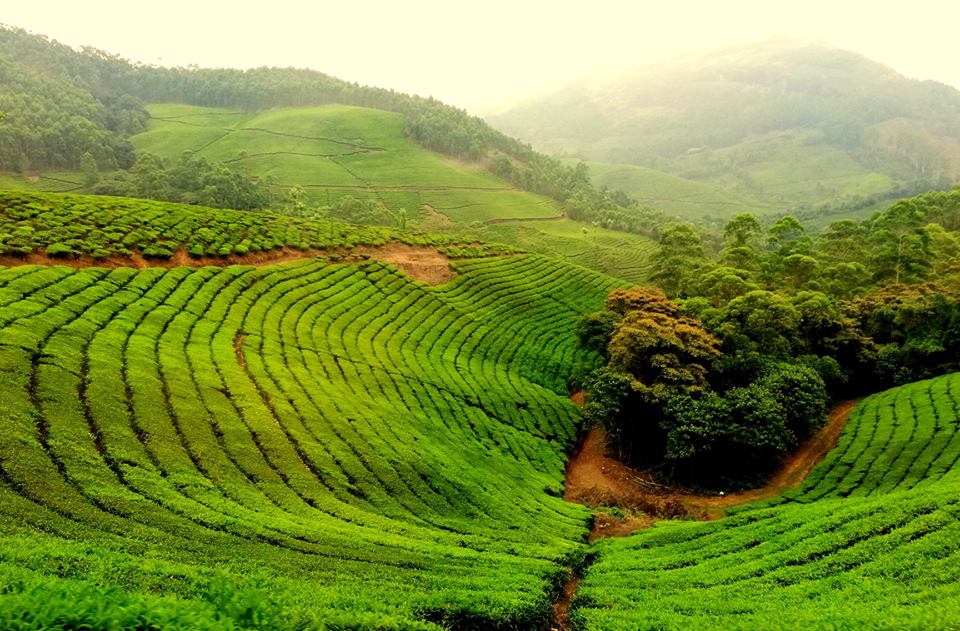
{"x": 870, "y": 540}
{"x": 617, "y": 254}
{"x": 360, "y": 446}
{"x": 338, "y": 150}
{"x": 328, "y": 443}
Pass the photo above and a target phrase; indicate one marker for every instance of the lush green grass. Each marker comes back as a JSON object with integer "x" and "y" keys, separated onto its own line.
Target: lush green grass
{"x": 317, "y": 147}
{"x": 332, "y": 443}
{"x": 677, "y": 197}
{"x": 870, "y": 540}
{"x": 617, "y": 254}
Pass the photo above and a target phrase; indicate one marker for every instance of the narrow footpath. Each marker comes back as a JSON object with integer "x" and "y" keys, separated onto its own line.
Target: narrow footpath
{"x": 626, "y": 499}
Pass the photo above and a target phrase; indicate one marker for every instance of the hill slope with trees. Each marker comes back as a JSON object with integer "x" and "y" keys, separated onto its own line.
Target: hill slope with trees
{"x": 796, "y": 124}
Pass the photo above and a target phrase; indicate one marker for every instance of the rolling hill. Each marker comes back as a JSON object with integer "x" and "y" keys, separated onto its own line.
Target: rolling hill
{"x": 312, "y": 444}
{"x": 338, "y": 150}
{"x": 792, "y": 124}
{"x": 449, "y": 171}
{"x": 322, "y": 441}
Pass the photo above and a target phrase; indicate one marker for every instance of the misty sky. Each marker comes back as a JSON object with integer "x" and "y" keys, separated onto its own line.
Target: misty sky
{"x": 479, "y": 54}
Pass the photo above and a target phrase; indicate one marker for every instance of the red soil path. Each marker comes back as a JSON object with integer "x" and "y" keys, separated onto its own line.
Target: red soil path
{"x": 595, "y": 479}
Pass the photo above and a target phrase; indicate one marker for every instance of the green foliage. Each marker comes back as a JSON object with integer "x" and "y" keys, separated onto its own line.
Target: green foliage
{"x": 102, "y": 226}
{"x": 311, "y": 445}
{"x": 54, "y": 114}
{"x": 191, "y": 180}
{"x": 88, "y": 166}
{"x": 722, "y": 439}
{"x": 595, "y": 330}
{"x": 678, "y": 259}
{"x": 867, "y": 540}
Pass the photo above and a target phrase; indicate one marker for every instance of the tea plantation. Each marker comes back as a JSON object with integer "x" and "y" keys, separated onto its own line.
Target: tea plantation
{"x": 870, "y": 540}
{"x": 98, "y": 227}
{"x": 331, "y": 445}
{"x": 309, "y": 445}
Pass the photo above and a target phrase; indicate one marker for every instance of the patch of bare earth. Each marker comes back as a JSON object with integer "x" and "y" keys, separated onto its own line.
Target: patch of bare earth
{"x": 561, "y": 608}
{"x": 597, "y": 480}
{"x": 626, "y": 499}
{"x": 422, "y": 263}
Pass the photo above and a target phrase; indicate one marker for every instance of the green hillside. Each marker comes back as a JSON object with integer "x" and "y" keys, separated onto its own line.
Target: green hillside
{"x": 338, "y": 150}
{"x": 792, "y": 124}
{"x": 85, "y": 121}
{"x": 677, "y": 197}
{"x": 869, "y": 540}
{"x": 312, "y": 445}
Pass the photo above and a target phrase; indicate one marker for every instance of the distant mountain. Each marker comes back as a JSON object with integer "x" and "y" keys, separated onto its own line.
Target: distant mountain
{"x": 797, "y": 124}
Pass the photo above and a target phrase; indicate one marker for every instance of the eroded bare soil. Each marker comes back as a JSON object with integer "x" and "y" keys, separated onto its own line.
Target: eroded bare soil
{"x": 597, "y": 480}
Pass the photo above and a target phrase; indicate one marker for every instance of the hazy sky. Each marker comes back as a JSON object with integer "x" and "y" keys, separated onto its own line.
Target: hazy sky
{"x": 475, "y": 54}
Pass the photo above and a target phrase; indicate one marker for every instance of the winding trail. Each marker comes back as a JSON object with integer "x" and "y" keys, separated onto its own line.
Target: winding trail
{"x": 597, "y": 480}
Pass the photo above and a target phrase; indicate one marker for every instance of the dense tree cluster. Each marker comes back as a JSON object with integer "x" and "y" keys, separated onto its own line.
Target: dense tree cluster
{"x": 794, "y": 320}
{"x": 58, "y": 106}
{"x": 191, "y": 180}
{"x": 715, "y": 402}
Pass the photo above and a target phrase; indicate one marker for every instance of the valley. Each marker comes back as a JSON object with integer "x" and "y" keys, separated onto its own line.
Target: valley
{"x": 282, "y": 351}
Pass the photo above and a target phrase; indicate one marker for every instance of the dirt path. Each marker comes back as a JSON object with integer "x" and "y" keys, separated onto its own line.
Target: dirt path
{"x": 595, "y": 479}
{"x": 422, "y": 263}
{"x": 626, "y": 500}
{"x": 491, "y": 222}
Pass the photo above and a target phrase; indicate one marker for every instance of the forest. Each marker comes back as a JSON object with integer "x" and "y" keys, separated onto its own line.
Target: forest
{"x": 729, "y": 365}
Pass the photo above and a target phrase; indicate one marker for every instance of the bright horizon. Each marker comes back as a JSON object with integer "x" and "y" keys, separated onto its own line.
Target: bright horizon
{"x": 479, "y": 56}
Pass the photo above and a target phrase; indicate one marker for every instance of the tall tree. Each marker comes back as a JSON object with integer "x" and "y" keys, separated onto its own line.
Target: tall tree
{"x": 902, "y": 249}
{"x": 678, "y": 259}
{"x": 88, "y": 166}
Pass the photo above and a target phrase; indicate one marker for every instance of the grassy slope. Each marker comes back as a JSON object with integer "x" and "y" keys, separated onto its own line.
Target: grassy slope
{"x": 306, "y": 443}
{"x": 870, "y": 540}
{"x": 675, "y": 196}
{"x": 337, "y": 150}
{"x": 340, "y": 150}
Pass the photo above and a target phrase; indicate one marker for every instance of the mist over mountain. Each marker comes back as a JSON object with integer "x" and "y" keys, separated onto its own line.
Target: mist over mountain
{"x": 794, "y": 123}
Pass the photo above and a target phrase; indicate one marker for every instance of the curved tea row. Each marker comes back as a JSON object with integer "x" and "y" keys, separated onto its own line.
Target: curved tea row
{"x": 870, "y": 540}
{"x": 360, "y": 446}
